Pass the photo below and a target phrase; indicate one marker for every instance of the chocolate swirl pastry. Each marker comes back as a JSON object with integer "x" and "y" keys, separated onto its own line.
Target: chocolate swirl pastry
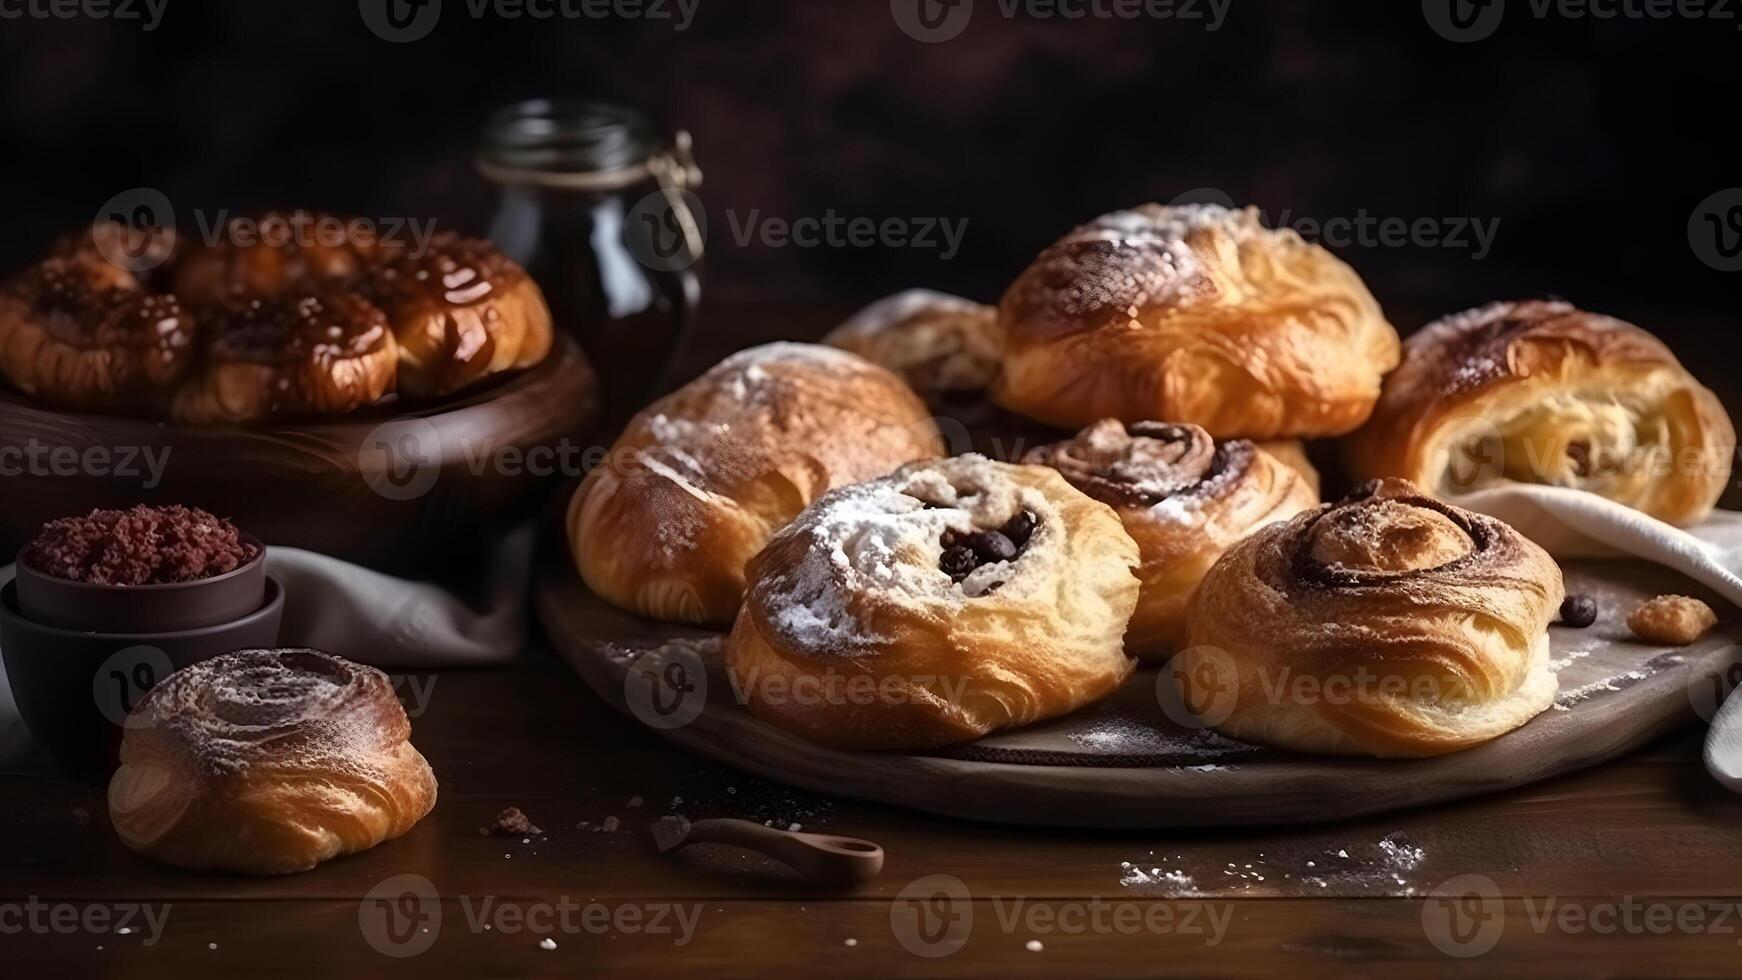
{"x": 291, "y": 357}
{"x": 1386, "y": 624}
{"x": 87, "y": 340}
{"x": 1543, "y": 392}
{"x": 1197, "y": 314}
{"x": 460, "y": 311}
{"x": 947, "y": 600}
{"x": 1184, "y": 498}
{"x": 268, "y": 762}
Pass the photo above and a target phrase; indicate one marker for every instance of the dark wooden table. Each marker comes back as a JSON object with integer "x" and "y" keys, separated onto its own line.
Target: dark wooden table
{"x": 1634, "y": 868}
{"x": 1652, "y": 834}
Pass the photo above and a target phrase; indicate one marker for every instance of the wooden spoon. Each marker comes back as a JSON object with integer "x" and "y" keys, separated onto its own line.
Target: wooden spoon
{"x": 821, "y": 858}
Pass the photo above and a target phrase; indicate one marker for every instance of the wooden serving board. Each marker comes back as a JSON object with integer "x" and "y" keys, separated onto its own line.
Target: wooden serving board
{"x": 1125, "y": 763}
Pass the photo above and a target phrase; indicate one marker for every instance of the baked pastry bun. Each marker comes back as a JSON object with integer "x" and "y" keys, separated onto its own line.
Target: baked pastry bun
{"x": 291, "y": 357}
{"x": 938, "y": 343}
{"x": 965, "y": 595}
{"x": 1292, "y": 454}
{"x": 1193, "y": 313}
{"x": 116, "y": 256}
{"x": 699, "y": 479}
{"x": 79, "y": 338}
{"x": 460, "y": 311}
{"x": 1543, "y": 392}
{"x": 1184, "y": 498}
{"x": 267, "y": 762}
{"x": 1386, "y": 624}
{"x": 273, "y": 254}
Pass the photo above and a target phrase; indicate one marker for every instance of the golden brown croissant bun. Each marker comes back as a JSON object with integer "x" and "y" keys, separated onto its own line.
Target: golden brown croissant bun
{"x": 88, "y": 340}
{"x": 290, "y": 357}
{"x": 1184, "y": 499}
{"x": 1387, "y": 624}
{"x": 937, "y": 604}
{"x": 935, "y": 341}
{"x": 699, "y": 479}
{"x": 461, "y": 311}
{"x": 267, "y": 762}
{"x": 1193, "y": 313}
{"x": 1543, "y": 392}
{"x": 273, "y": 254}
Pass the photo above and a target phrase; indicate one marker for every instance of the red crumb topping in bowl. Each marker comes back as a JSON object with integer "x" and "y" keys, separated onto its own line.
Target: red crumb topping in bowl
{"x": 141, "y": 546}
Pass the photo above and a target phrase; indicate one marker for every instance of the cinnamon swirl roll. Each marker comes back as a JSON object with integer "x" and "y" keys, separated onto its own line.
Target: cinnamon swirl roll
{"x": 267, "y": 762}
{"x": 291, "y": 357}
{"x": 1184, "y": 499}
{"x": 947, "y": 600}
{"x": 87, "y": 340}
{"x": 461, "y": 311}
{"x": 1386, "y": 624}
{"x": 1193, "y": 313}
{"x": 273, "y": 254}
{"x": 1544, "y": 392}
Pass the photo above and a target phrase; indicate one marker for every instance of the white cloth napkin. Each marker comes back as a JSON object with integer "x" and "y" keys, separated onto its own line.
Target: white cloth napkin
{"x": 1575, "y": 524}
{"x": 375, "y": 619}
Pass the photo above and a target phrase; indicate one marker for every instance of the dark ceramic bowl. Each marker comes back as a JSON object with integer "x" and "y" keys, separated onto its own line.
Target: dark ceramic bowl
{"x": 74, "y": 688}
{"x": 174, "y": 607}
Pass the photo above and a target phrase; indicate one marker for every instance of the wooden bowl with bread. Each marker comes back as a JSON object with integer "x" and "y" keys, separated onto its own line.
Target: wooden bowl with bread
{"x": 373, "y": 402}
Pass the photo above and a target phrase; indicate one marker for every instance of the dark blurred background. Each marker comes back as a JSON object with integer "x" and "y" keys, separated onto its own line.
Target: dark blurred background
{"x": 1591, "y": 142}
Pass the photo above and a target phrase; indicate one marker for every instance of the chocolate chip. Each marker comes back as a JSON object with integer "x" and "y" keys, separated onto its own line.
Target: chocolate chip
{"x": 991, "y": 546}
{"x": 1578, "y": 611}
{"x": 957, "y": 561}
{"x": 1019, "y": 528}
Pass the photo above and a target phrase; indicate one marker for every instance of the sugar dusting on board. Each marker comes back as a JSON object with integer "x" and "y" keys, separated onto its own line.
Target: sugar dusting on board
{"x": 1117, "y": 734}
{"x": 1386, "y": 867}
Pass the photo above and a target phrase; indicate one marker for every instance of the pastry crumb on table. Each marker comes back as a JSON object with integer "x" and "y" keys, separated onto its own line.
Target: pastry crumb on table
{"x": 1674, "y": 619}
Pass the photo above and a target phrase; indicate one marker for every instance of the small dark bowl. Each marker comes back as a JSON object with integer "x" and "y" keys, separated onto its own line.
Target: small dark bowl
{"x": 172, "y": 607}
{"x": 74, "y": 688}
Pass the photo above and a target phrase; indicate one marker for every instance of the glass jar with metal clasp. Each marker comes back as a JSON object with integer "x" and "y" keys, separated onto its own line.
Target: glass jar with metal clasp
{"x": 600, "y": 207}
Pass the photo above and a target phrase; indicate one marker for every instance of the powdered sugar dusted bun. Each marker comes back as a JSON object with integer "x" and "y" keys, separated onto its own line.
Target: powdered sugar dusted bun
{"x": 1193, "y": 313}
{"x": 1544, "y": 392}
{"x": 267, "y": 762}
{"x": 1386, "y": 624}
{"x": 1184, "y": 498}
{"x": 935, "y": 341}
{"x": 947, "y": 600}
{"x": 701, "y": 478}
